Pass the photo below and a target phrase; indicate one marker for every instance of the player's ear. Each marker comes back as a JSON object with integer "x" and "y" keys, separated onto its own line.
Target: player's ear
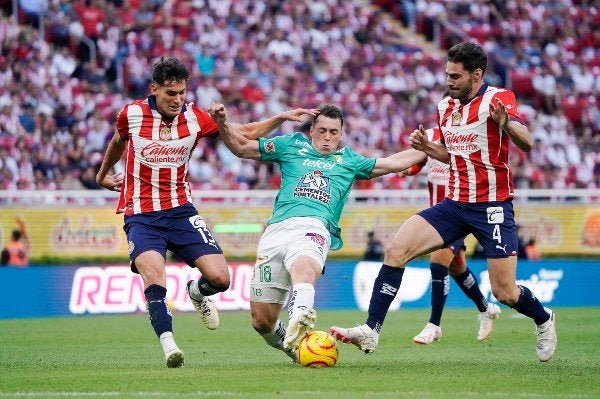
{"x": 478, "y": 74}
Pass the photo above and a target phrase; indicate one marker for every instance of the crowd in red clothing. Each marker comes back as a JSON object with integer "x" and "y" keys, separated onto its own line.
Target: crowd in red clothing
{"x": 61, "y": 86}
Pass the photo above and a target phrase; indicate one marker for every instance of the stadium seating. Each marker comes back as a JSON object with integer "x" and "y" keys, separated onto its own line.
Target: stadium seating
{"x": 273, "y": 55}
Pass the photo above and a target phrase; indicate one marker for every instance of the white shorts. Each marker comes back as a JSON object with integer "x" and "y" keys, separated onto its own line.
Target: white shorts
{"x": 278, "y": 248}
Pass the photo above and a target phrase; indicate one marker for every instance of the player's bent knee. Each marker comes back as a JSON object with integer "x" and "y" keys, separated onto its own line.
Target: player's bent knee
{"x": 221, "y": 283}
{"x": 396, "y": 255}
{"x": 505, "y": 297}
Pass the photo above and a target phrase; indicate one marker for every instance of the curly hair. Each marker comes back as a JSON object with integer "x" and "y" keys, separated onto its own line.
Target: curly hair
{"x": 169, "y": 69}
{"x": 470, "y": 55}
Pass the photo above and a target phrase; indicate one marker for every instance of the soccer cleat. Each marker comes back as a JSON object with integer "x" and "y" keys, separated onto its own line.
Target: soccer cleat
{"x": 301, "y": 324}
{"x": 430, "y": 334}
{"x": 486, "y": 321}
{"x": 174, "y": 358}
{"x": 362, "y": 337}
{"x": 292, "y": 353}
{"x": 206, "y": 310}
{"x": 546, "y": 338}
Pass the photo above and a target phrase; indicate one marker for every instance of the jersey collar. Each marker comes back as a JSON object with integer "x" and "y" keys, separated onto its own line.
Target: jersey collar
{"x": 482, "y": 90}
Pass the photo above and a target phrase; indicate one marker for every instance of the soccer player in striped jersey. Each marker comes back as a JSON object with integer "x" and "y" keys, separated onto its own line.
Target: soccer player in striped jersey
{"x": 317, "y": 175}
{"x": 449, "y": 261}
{"x": 157, "y": 135}
{"x": 477, "y": 122}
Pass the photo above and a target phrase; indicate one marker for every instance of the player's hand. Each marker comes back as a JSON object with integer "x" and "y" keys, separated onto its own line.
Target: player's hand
{"x": 112, "y": 182}
{"x": 418, "y": 139}
{"x": 298, "y": 114}
{"x": 499, "y": 114}
{"x": 218, "y": 113}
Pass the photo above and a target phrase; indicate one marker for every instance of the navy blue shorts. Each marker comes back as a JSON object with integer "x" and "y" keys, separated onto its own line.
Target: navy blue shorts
{"x": 492, "y": 224}
{"x": 180, "y": 230}
{"x": 457, "y": 245}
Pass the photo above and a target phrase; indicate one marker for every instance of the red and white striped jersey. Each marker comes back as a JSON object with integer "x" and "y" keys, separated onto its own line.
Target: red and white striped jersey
{"x": 437, "y": 173}
{"x": 157, "y": 155}
{"x": 479, "y": 170}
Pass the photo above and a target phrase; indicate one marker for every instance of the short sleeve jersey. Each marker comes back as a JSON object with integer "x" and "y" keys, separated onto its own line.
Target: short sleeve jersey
{"x": 313, "y": 184}
{"x": 478, "y": 148}
{"x": 157, "y": 155}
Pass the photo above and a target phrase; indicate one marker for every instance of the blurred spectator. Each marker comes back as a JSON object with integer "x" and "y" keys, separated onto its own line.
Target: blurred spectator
{"x": 16, "y": 252}
{"x": 374, "y": 251}
{"x": 261, "y": 57}
{"x": 32, "y": 11}
{"x": 531, "y": 250}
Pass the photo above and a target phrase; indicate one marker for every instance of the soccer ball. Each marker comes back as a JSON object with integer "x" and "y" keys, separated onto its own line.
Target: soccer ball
{"x": 318, "y": 349}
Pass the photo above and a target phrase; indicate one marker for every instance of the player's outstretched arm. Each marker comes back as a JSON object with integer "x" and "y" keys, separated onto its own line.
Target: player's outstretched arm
{"x": 419, "y": 141}
{"x": 258, "y": 129}
{"x": 114, "y": 151}
{"x": 232, "y": 134}
{"x": 397, "y": 162}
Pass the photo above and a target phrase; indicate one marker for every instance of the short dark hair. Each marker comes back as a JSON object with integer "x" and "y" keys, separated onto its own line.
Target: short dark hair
{"x": 469, "y": 54}
{"x": 16, "y": 235}
{"x": 330, "y": 111}
{"x": 169, "y": 69}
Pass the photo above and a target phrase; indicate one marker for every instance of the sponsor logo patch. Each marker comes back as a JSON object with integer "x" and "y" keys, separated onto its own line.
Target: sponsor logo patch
{"x": 495, "y": 215}
{"x": 319, "y": 239}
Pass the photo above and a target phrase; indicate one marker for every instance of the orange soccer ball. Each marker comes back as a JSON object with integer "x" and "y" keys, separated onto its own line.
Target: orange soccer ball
{"x": 318, "y": 349}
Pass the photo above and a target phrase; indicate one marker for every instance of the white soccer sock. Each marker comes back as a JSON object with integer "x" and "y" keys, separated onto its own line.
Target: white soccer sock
{"x": 303, "y": 297}
{"x": 167, "y": 341}
{"x": 275, "y": 337}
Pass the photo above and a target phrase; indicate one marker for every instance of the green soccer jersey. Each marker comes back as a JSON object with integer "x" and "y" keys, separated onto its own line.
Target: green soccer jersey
{"x": 313, "y": 184}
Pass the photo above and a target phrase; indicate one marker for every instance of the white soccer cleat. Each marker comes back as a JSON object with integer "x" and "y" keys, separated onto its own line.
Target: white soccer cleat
{"x": 300, "y": 324}
{"x": 174, "y": 358}
{"x": 362, "y": 337}
{"x": 486, "y": 321}
{"x": 206, "y": 310}
{"x": 546, "y": 338}
{"x": 430, "y": 334}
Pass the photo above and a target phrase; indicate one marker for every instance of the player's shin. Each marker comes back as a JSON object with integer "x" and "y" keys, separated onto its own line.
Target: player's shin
{"x": 385, "y": 289}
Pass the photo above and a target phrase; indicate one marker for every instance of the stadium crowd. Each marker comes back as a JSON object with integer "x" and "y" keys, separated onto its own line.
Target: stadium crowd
{"x": 61, "y": 85}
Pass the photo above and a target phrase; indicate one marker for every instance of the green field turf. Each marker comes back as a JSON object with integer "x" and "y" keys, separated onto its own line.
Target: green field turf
{"x": 119, "y": 357}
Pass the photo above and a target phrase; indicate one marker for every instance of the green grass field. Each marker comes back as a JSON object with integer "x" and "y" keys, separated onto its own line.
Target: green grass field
{"x": 119, "y": 356}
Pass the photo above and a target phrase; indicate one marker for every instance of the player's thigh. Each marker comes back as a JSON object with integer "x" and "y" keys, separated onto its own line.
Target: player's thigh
{"x": 415, "y": 237}
{"x": 151, "y": 267}
{"x": 265, "y": 315}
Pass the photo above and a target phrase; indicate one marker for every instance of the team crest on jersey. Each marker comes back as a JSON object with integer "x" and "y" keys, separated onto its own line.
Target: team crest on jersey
{"x": 338, "y": 159}
{"x": 270, "y": 147}
{"x": 456, "y": 119}
{"x": 315, "y": 185}
{"x": 165, "y": 133}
